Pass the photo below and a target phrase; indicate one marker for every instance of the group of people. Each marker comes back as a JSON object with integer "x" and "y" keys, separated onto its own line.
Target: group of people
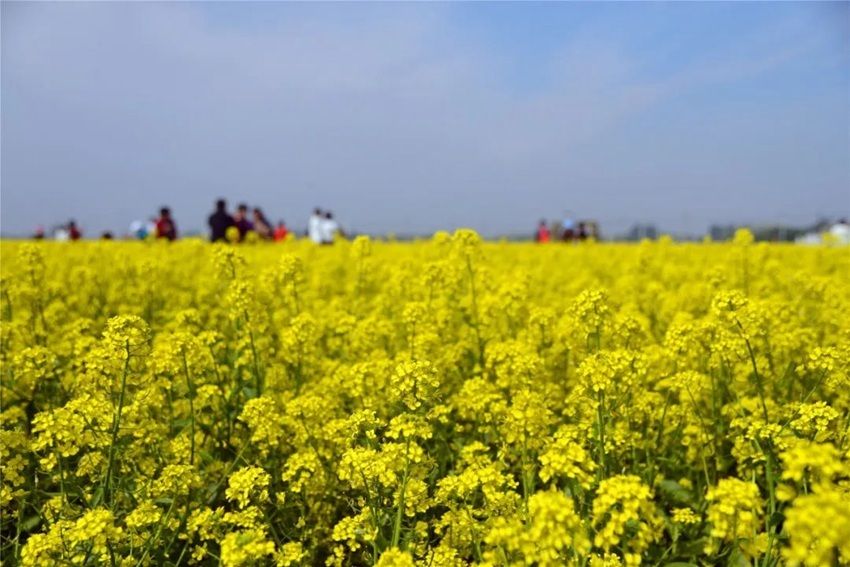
{"x": 69, "y": 231}
{"x": 162, "y": 226}
{"x": 567, "y": 230}
{"x": 322, "y": 228}
{"x": 220, "y": 221}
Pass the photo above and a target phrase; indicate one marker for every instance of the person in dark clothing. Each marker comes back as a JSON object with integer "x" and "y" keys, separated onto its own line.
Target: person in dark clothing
{"x": 165, "y": 227}
{"x": 582, "y": 231}
{"x": 220, "y": 221}
{"x": 241, "y": 221}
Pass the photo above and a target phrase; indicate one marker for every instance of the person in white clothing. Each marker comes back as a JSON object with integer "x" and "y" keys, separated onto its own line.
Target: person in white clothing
{"x": 314, "y": 226}
{"x": 328, "y": 228}
{"x": 840, "y": 232}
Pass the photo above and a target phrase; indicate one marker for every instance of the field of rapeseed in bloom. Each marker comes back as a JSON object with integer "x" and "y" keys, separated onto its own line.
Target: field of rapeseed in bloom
{"x": 448, "y": 402}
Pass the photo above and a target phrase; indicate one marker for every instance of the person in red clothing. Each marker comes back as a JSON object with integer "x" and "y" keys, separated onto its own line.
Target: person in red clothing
{"x": 165, "y": 227}
{"x": 74, "y": 232}
{"x": 543, "y": 234}
{"x": 280, "y": 231}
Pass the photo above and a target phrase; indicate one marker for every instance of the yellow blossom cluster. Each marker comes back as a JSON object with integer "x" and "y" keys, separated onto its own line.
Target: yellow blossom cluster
{"x": 445, "y": 402}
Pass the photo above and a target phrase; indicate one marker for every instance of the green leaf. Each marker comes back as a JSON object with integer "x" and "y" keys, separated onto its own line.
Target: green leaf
{"x": 738, "y": 559}
{"x": 98, "y": 496}
{"x": 692, "y": 547}
{"x": 30, "y": 523}
{"x": 674, "y": 492}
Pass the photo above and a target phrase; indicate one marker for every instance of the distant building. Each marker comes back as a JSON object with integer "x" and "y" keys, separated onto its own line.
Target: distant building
{"x": 640, "y": 231}
{"x": 720, "y": 232}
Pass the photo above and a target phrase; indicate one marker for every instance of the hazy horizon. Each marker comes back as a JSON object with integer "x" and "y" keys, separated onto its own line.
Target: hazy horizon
{"x": 410, "y": 118}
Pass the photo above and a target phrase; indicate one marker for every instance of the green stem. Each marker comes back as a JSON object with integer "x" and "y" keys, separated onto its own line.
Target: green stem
{"x": 601, "y": 425}
{"x": 771, "y": 490}
{"x": 295, "y": 296}
{"x": 257, "y": 380}
{"x": 116, "y": 424}
{"x": 155, "y": 536}
{"x": 759, "y": 383}
{"x": 476, "y": 326}
{"x": 191, "y": 410}
{"x": 400, "y": 511}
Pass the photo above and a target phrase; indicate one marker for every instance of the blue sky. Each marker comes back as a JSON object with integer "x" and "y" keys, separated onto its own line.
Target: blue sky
{"x": 417, "y": 117}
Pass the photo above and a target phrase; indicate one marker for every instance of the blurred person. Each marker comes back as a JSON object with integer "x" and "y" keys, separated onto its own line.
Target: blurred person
{"x": 39, "y": 233}
{"x": 241, "y": 221}
{"x": 74, "y": 233}
{"x": 314, "y": 226}
{"x": 568, "y": 229}
{"x": 165, "y": 225}
{"x": 840, "y": 232}
{"x": 138, "y": 230}
{"x": 262, "y": 226}
{"x": 328, "y": 228}
{"x": 582, "y": 231}
{"x": 106, "y": 235}
{"x": 542, "y": 234}
{"x": 280, "y": 231}
{"x": 219, "y": 221}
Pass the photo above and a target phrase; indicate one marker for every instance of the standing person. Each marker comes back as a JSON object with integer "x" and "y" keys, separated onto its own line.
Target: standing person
{"x": 261, "y": 225}
{"x": 569, "y": 229}
{"x": 328, "y": 228}
{"x": 840, "y": 231}
{"x": 138, "y": 230}
{"x": 280, "y": 232}
{"x": 314, "y": 226}
{"x": 582, "y": 231}
{"x": 220, "y": 221}
{"x": 165, "y": 226}
{"x": 240, "y": 221}
{"x": 74, "y": 233}
{"x": 543, "y": 234}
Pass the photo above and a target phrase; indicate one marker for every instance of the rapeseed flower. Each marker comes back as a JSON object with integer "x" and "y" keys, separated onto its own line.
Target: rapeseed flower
{"x": 445, "y": 402}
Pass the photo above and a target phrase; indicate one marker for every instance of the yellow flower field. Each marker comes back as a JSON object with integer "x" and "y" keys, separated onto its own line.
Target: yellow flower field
{"x": 449, "y": 402}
